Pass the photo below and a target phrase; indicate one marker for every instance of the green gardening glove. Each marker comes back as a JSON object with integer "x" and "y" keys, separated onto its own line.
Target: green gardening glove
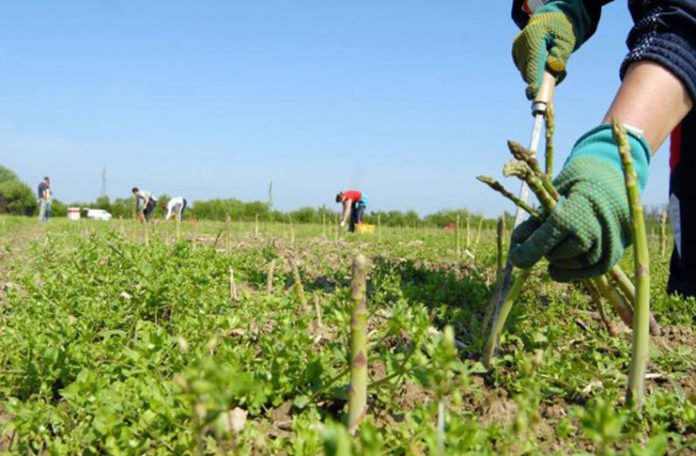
{"x": 552, "y": 34}
{"x": 588, "y": 230}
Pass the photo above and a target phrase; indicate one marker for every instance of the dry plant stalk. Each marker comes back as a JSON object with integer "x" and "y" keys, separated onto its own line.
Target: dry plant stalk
{"x": 233, "y": 286}
{"x": 468, "y": 230}
{"x": 228, "y": 234}
{"x": 146, "y": 233}
{"x": 379, "y": 228}
{"x": 478, "y": 233}
{"x": 299, "y": 289}
{"x": 458, "y": 242}
{"x": 194, "y": 233}
{"x": 663, "y": 233}
{"x": 357, "y": 402}
{"x": 317, "y": 309}
{"x": 292, "y": 230}
{"x": 269, "y": 277}
{"x": 596, "y": 298}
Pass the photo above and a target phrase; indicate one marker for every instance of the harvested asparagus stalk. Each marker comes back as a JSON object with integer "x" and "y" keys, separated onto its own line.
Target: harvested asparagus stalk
{"x": 524, "y": 168}
{"x": 497, "y": 186}
{"x": 550, "y": 130}
{"x": 641, "y": 304}
{"x": 357, "y": 404}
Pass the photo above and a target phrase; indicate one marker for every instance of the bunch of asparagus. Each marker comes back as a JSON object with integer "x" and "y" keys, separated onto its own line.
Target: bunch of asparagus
{"x": 614, "y": 286}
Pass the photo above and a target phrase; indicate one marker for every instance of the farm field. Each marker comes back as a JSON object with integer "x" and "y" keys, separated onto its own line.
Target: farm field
{"x": 117, "y": 339}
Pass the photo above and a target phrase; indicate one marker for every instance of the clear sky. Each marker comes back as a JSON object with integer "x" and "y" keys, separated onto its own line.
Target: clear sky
{"x": 405, "y": 100}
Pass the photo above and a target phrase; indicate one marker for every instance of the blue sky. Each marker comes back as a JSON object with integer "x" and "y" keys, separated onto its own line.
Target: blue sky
{"x": 405, "y": 100}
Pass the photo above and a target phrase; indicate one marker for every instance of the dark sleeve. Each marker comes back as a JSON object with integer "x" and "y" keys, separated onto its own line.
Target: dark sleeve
{"x": 664, "y": 33}
{"x": 593, "y": 7}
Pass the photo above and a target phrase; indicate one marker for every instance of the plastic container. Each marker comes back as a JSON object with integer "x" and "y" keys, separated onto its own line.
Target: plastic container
{"x": 364, "y": 228}
{"x": 73, "y": 213}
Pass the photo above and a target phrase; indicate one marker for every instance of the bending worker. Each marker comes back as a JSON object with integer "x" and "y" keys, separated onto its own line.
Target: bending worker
{"x": 148, "y": 203}
{"x": 175, "y": 208}
{"x": 353, "y": 208}
{"x": 587, "y": 232}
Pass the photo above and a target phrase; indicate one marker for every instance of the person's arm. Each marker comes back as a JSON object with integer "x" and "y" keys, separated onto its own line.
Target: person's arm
{"x": 587, "y": 232}
{"x": 651, "y": 99}
{"x": 169, "y": 211}
{"x": 347, "y": 205}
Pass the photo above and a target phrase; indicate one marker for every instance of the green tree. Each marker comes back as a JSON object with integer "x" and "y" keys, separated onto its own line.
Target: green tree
{"x": 7, "y": 175}
{"x": 16, "y": 198}
{"x": 103, "y": 203}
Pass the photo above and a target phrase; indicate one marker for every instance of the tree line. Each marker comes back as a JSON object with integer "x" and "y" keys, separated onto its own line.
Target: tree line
{"x": 17, "y": 198}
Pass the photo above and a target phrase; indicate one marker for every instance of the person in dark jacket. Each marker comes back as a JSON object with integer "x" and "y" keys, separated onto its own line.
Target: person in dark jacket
{"x": 44, "y": 196}
{"x": 589, "y": 230}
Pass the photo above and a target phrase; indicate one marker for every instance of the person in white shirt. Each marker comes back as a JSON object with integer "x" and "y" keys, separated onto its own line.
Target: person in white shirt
{"x": 144, "y": 209}
{"x": 176, "y": 207}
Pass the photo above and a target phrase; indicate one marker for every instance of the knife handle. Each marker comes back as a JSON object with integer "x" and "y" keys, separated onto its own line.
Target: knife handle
{"x": 545, "y": 93}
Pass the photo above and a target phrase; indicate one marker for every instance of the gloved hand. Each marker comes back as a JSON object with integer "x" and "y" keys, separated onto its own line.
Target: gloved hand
{"x": 589, "y": 229}
{"x": 343, "y": 223}
{"x": 552, "y": 34}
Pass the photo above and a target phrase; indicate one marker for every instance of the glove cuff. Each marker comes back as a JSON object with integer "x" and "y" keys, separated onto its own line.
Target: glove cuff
{"x": 576, "y": 12}
{"x": 599, "y": 143}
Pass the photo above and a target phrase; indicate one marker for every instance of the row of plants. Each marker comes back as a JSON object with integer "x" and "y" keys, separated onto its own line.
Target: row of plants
{"x": 110, "y": 345}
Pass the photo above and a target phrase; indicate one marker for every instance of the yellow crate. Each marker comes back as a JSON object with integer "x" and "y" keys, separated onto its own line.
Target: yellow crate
{"x": 364, "y": 228}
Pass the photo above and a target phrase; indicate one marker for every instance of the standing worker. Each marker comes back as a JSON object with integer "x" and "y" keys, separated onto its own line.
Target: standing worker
{"x": 44, "y": 195}
{"x": 353, "y": 207}
{"x": 148, "y": 205}
{"x": 176, "y": 207}
{"x": 587, "y": 232}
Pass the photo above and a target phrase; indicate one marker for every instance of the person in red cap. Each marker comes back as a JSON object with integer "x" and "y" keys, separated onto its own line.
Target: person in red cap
{"x": 353, "y": 208}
